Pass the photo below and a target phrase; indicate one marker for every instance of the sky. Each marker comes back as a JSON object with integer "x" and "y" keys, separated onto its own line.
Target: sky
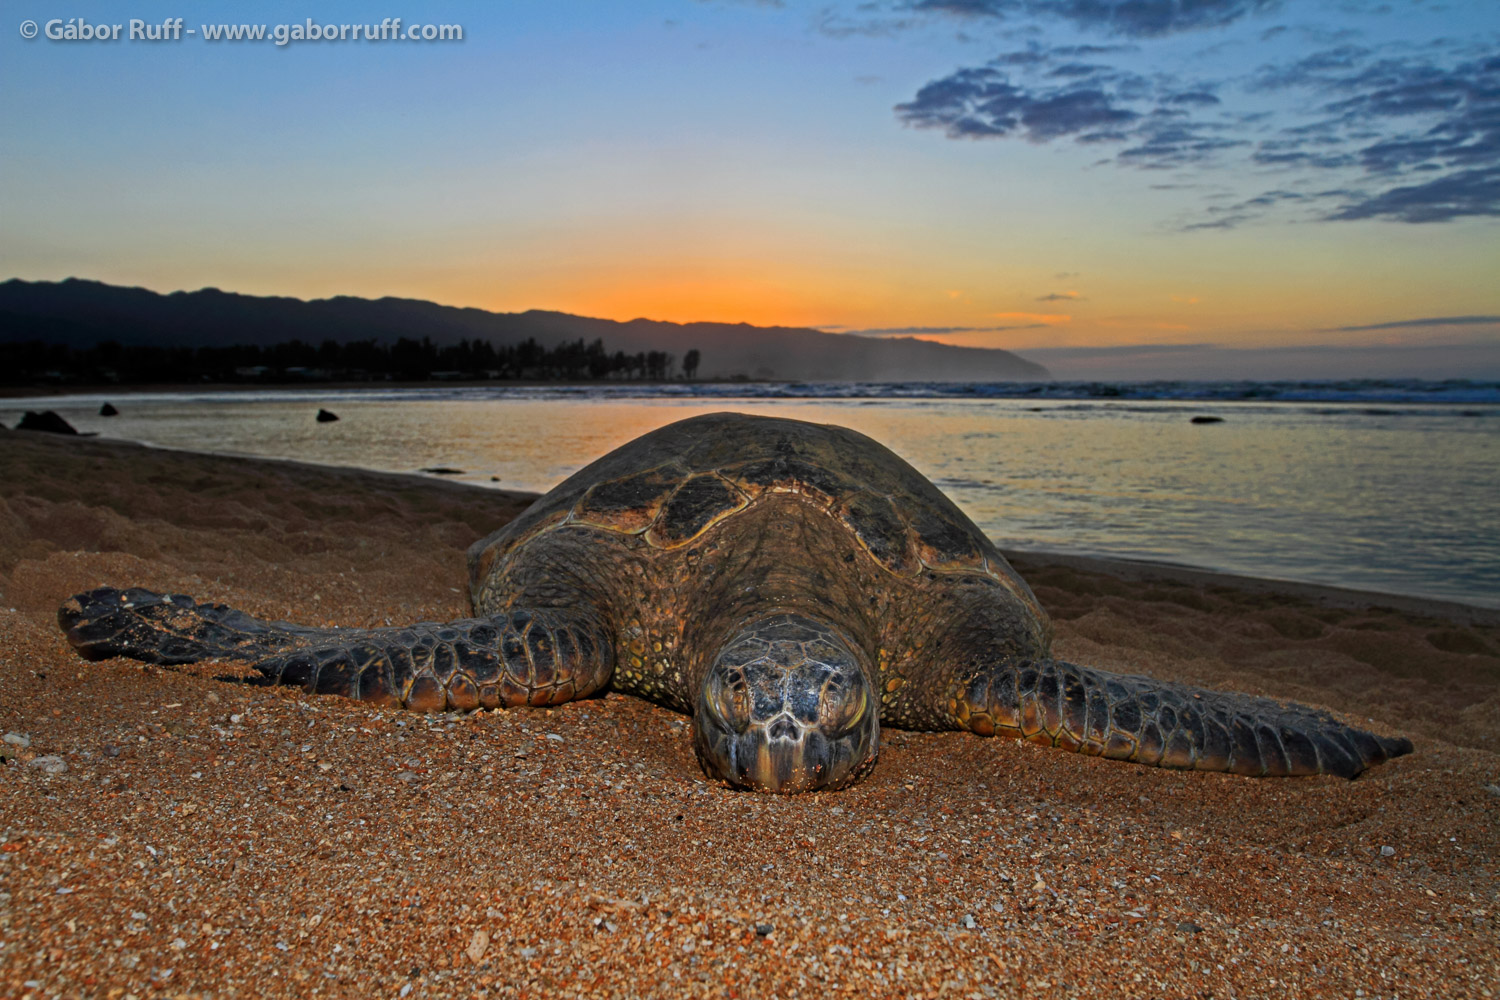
{"x": 1114, "y": 188}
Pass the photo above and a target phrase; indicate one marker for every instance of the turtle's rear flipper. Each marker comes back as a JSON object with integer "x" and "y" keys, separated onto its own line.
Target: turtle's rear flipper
{"x": 1164, "y": 724}
{"x": 538, "y": 657}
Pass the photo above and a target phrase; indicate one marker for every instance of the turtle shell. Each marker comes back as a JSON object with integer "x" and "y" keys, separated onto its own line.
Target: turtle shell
{"x": 673, "y": 484}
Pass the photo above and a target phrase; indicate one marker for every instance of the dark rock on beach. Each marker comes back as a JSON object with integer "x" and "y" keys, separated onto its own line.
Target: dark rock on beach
{"x": 1208, "y": 420}
{"x": 327, "y": 416}
{"x": 46, "y": 420}
{"x": 108, "y": 410}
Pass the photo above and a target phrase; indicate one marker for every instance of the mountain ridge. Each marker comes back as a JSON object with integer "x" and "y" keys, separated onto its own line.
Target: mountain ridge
{"x": 79, "y": 312}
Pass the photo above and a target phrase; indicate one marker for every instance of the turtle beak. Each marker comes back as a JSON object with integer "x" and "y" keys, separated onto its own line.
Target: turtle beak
{"x": 786, "y": 708}
{"x": 790, "y": 757}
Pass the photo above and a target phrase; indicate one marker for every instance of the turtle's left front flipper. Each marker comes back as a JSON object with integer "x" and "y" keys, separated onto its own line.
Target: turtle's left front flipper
{"x": 1163, "y": 724}
{"x": 533, "y": 657}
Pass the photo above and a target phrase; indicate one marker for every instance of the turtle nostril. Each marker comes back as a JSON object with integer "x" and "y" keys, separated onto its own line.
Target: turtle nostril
{"x": 782, "y": 728}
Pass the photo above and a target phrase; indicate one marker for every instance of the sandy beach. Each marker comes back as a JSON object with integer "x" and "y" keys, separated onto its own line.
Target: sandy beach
{"x": 167, "y": 833}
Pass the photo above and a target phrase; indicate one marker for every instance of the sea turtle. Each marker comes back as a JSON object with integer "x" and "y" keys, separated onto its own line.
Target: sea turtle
{"x": 792, "y": 585}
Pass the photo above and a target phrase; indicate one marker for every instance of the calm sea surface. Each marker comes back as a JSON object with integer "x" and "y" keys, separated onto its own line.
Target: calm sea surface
{"x": 1392, "y": 490}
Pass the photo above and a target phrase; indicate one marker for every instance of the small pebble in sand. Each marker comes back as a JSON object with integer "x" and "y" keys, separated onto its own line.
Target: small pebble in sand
{"x": 18, "y": 740}
{"x": 110, "y": 750}
{"x": 1386, "y": 851}
{"x": 1188, "y": 927}
{"x": 50, "y": 764}
{"x": 477, "y": 945}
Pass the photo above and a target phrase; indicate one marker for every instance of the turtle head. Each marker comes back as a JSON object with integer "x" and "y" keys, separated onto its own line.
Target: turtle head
{"x": 786, "y": 707}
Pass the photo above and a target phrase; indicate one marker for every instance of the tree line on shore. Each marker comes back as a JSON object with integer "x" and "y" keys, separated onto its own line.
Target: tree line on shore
{"x": 407, "y": 360}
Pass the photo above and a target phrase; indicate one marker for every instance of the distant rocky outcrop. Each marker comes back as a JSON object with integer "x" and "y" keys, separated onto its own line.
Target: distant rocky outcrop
{"x": 78, "y": 313}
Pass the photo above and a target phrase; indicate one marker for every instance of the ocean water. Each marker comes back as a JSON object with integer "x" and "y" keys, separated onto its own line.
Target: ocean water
{"x": 1390, "y": 486}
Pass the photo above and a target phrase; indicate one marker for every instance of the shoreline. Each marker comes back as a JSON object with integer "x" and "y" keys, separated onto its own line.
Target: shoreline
{"x": 1471, "y": 407}
{"x": 56, "y": 392}
{"x": 1321, "y": 593}
{"x": 166, "y": 831}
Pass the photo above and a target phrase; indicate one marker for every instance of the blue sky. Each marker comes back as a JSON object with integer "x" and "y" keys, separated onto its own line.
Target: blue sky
{"x": 1114, "y": 187}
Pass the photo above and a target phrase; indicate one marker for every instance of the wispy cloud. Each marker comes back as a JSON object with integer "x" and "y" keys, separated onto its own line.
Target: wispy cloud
{"x": 918, "y": 331}
{"x": 1135, "y": 18}
{"x": 1122, "y": 350}
{"x": 1060, "y": 297}
{"x": 1043, "y": 319}
{"x": 1405, "y": 324}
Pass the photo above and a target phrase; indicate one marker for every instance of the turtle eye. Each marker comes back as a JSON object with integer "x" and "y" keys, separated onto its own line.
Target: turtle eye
{"x": 728, "y": 700}
{"x": 841, "y": 709}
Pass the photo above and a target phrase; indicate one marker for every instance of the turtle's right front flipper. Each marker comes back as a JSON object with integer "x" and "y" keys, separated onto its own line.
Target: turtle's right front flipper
{"x": 536, "y": 657}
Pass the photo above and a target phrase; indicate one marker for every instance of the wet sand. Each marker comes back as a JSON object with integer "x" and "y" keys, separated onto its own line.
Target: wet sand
{"x": 212, "y": 839}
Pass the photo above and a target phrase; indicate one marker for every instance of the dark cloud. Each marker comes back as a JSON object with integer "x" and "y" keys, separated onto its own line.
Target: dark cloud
{"x": 1411, "y": 132}
{"x": 1116, "y": 350}
{"x": 1229, "y": 221}
{"x": 1195, "y": 99}
{"x": 1036, "y": 54}
{"x": 983, "y": 103}
{"x": 1076, "y": 70}
{"x": 1402, "y": 324}
{"x": 1165, "y": 142}
{"x": 864, "y": 22}
{"x": 1274, "y": 153}
{"x": 1132, "y": 18}
{"x": 1425, "y": 134}
{"x": 1017, "y": 94}
{"x": 1324, "y": 68}
{"x": 908, "y": 331}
